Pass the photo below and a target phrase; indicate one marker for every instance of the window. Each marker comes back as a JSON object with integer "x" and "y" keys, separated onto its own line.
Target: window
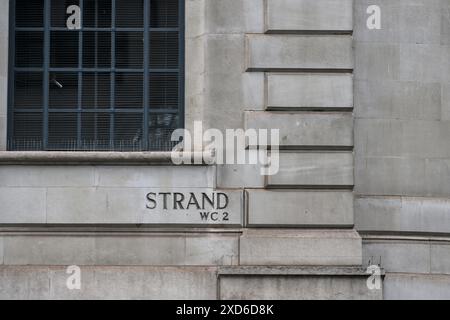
{"x": 95, "y": 75}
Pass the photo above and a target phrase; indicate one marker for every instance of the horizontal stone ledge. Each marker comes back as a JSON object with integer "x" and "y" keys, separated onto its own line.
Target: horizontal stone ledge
{"x": 108, "y": 230}
{"x": 293, "y": 271}
{"x": 82, "y": 158}
{"x": 288, "y": 287}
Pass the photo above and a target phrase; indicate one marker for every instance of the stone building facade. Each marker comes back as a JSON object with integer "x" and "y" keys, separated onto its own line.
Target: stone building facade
{"x": 364, "y": 179}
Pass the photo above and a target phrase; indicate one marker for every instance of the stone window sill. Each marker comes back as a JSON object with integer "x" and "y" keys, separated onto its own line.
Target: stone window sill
{"x": 98, "y": 158}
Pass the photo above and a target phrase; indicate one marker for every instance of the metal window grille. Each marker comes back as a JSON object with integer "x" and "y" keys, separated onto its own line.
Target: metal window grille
{"x": 116, "y": 83}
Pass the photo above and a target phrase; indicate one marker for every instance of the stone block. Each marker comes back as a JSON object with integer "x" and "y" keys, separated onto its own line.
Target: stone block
{"x": 121, "y": 249}
{"x": 390, "y": 99}
{"x": 306, "y": 129}
{"x": 314, "y": 169}
{"x": 108, "y": 283}
{"x": 234, "y": 16}
{"x": 440, "y": 257}
{"x": 177, "y": 206}
{"x": 307, "y": 15}
{"x": 398, "y": 256}
{"x": 402, "y": 214}
{"x": 296, "y": 288}
{"x": 155, "y": 176}
{"x": 377, "y": 61}
{"x": 417, "y": 21}
{"x": 294, "y": 52}
{"x": 299, "y": 208}
{"x": 22, "y": 205}
{"x": 309, "y": 91}
{"x": 46, "y": 176}
{"x": 416, "y": 287}
{"x": 300, "y": 247}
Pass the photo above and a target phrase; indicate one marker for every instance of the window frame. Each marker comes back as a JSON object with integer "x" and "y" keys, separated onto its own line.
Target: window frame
{"x": 46, "y": 70}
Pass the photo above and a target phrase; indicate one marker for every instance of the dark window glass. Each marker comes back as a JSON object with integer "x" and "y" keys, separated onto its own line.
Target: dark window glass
{"x": 62, "y": 131}
{"x": 163, "y": 89}
{"x": 29, "y": 13}
{"x": 64, "y": 49}
{"x": 92, "y": 84}
{"x": 96, "y": 49}
{"x": 164, "y": 50}
{"x": 129, "y": 90}
{"x": 59, "y": 13}
{"x": 164, "y": 13}
{"x": 160, "y": 130}
{"x": 129, "y": 49}
{"x": 63, "y": 90}
{"x": 128, "y": 131}
{"x": 27, "y": 130}
{"x": 130, "y": 13}
{"x": 30, "y": 48}
{"x": 96, "y": 93}
{"x": 97, "y": 13}
{"x": 28, "y": 93}
{"x": 95, "y": 131}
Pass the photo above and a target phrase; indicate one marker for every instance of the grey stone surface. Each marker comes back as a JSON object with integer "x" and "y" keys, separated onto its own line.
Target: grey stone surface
{"x": 390, "y": 99}
{"x": 300, "y": 247}
{"x": 290, "y": 52}
{"x": 107, "y": 176}
{"x": 296, "y": 288}
{"x": 403, "y": 176}
{"x": 129, "y": 206}
{"x": 47, "y": 176}
{"x": 397, "y": 255}
{"x": 254, "y": 88}
{"x": 307, "y": 129}
{"x": 445, "y": 22}
{"x": 40, "y": 282}
{"x": 240, "y": 175}
{"x": 416, "y": 287}
{"x": 424, "y": 63}
{"x": 310, "y": 91}
{"x": 234, "y": 16}
{"x": 22, "y": 205}
{"x": 445, "y": 102}
{"x": 1, "y": 250}
{"x": 299, "y": 208}
{"x": 376, "y": 61}
{"x": 224, "y": 82}
{"x": 417, "y": 21}
{"x": 440, "y": 257}
{"x": 314, "y": 169}
{"x": 155, "y": 176}
{"x": 318, "y": 15}
{"x": 126, "y": 249}
{"x": 402, "y": 214}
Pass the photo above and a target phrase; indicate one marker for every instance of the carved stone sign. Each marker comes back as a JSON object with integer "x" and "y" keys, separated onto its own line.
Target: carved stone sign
{"x": 193, "y": 207}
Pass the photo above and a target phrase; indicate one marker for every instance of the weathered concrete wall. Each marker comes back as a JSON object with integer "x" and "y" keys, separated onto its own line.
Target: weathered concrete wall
{"x": 401, "y": 144}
